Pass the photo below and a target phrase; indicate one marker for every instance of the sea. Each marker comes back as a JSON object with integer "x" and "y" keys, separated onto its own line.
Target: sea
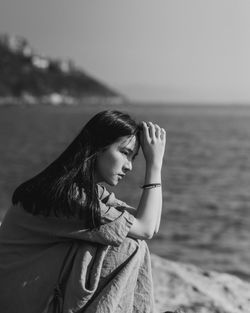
{"x": 205, "y": 176}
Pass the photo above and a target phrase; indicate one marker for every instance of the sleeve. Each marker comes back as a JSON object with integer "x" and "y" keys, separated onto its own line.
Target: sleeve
{"x": 114, "y": 232}
{"x": 116, "y": 220}
{"x": 111, "y": 207}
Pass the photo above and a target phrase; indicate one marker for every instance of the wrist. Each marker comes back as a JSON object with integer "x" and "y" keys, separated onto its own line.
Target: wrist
{"x": 153, "y": 165}
{"x": 150, "y": 186}
{"x": 152, "y": 175}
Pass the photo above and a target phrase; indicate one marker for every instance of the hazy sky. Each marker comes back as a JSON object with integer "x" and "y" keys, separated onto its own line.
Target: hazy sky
{"x": 173, "y": 50}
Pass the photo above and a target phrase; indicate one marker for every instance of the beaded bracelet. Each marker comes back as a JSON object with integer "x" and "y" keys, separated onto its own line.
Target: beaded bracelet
{"x": 149, "y": 186}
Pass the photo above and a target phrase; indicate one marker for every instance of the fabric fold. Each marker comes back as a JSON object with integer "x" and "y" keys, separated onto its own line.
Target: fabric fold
{"x": 52, "y": 263}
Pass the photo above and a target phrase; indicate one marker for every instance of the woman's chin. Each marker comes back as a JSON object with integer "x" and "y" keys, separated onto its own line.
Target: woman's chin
{"x": 112, "y": 184}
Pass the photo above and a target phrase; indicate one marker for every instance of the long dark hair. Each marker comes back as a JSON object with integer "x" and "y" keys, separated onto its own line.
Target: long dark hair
{"x": 66, "y": 187}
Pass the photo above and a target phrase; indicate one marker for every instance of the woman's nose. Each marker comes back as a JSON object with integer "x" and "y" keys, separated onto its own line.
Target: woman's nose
{"x": 128, "y": 166}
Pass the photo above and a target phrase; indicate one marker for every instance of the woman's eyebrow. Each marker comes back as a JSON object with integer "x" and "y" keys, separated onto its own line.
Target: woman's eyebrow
{"x": 130, "y": 150}
{"x": 126, "y": 148}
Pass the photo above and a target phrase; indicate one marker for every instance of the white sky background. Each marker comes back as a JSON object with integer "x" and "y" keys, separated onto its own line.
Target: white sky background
{"x": 168, "y": 50}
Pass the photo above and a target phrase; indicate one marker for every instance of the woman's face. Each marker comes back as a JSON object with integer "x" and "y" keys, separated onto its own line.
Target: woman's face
{"x": 116, "y": 160}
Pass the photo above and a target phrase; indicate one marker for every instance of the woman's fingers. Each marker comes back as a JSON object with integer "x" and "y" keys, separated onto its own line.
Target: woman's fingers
{"x": 163, "y": 134}
{"x": 153, "y": 131}
{"x": 151, "y": 128}
{"x": 153, "y": 142}
{"x": 157, "y": 131}
{"x": 146, "y": 131}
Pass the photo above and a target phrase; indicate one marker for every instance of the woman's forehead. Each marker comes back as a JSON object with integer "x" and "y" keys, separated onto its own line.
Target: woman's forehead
{"x": 129, "y": 142}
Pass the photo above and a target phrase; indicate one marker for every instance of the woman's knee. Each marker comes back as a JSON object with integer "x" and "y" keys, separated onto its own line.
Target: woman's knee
{"x": 127, "y": 247}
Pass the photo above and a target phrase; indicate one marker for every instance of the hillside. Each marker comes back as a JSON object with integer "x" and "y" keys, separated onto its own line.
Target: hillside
{"x": 27, "y": 76}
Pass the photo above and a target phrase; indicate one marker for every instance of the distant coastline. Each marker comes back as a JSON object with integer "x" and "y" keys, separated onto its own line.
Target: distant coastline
{"x": 27, "y": 78}
{"x": 56, "y": 99}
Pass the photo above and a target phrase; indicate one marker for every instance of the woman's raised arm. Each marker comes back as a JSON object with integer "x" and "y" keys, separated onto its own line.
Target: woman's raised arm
{"x": 148, "y": 214}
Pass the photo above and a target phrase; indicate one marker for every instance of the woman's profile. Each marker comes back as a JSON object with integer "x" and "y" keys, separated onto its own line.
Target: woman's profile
{"x": 69, "y": 245}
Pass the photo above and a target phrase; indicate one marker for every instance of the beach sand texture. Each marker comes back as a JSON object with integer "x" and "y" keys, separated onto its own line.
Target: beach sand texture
{"x": 195, "y": 290}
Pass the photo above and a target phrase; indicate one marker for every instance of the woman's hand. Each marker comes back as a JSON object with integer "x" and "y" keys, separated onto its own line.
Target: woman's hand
{"x": 153, "y": 140}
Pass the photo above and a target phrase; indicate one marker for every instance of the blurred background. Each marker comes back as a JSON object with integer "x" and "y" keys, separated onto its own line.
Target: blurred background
{"x": 182, "y": 64}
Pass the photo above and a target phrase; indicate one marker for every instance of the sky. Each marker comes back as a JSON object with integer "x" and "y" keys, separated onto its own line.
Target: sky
{"x": 158, "y": 50}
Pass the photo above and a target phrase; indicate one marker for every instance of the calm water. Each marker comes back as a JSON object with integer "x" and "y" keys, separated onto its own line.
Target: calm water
{"x": 206, "y": 174}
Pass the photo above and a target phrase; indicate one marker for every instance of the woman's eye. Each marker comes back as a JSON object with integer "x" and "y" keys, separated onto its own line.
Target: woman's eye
{"x": 125, "y": 152}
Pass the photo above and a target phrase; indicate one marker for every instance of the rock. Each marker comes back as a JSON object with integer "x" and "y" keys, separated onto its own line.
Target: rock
{"x": 193, "y": 290}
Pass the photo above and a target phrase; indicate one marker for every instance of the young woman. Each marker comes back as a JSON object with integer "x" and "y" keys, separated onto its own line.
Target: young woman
{"x": 67, "y": 244}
